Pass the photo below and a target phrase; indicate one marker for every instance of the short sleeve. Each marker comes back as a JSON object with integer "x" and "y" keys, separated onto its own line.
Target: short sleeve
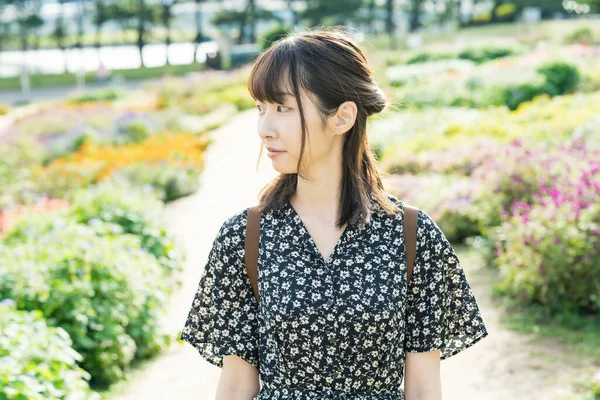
{"x": 442, "y": 312}
{"x": 222, "y": 319}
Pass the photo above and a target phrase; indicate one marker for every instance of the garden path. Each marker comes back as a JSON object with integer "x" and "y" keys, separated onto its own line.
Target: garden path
{"x": 504, "y": 366}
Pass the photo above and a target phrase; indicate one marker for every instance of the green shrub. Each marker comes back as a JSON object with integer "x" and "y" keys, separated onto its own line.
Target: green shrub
{"x": 109, "y": 94}
{"x": 506, "y": 11}
{"x": 428, "y": 56}
{"x": 514, "y": 96}
{"x": 133, "y": 132}
{"x": 104, "y": 290}
{"x": 85, "y": 139}
{"x": 561, "y": 77}
{"x": 38, "y": 362}
{"x": 201, "y": 103}
{"x": 583, "y": 35}
{"x": 137, "y": 211}
{"x": 483, "y": 54}
{"x": 272, "y": 35}
{"x": 238, "y": 96}
{"x": 169, "y": 182}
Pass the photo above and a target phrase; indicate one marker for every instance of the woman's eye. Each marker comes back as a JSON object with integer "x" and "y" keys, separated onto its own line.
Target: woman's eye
{"x": 279, "y": 108}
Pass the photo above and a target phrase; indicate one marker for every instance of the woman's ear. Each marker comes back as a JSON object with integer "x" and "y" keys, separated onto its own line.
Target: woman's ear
{"x": 345, "y": 117}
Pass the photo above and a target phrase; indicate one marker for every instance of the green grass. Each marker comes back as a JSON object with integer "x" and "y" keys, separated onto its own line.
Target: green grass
{"x": 69, "y": 79}
{"x": 578, "y": 331}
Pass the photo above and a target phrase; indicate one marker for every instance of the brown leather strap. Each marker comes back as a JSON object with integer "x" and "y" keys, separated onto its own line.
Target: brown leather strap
{"x": 410, "y": 237}
{"x": 251, "y": 246}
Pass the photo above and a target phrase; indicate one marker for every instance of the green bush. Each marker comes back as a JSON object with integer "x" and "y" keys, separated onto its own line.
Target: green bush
{"x": 85, "y": 139}
{"x": 104, "y": 290}
{"x": 506, "y": 11}
{"x": 272, "y": 35}
{"x": 561, "y": 77}
{"x": 514, "y": 96}
{"x": 109, "y": 94}
{"x": 583, "y": 35}
{"x": 133, "y": 132}
{"x": 137, "y": 211}
{"x": 551, "y": 259}
{"x": 201, "y": 103}
{"x": 428, "y": 56}
{"x": 17, "y": 162}
{"x": 169, "y": 182}
{"x": 38, "y": 362}
{"x": 238, "y": 96}
{"x": 483, "y": 54}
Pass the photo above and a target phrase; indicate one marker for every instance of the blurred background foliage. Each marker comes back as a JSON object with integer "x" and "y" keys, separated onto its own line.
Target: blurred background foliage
{"x": 492, "y": 128}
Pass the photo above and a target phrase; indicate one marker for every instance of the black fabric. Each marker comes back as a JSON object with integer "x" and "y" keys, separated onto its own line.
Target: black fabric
{"x": 335, "y": 329}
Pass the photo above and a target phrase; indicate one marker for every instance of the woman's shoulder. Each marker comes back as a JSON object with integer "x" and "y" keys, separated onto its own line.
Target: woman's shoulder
{"x": 427, "y": 228}
{"x": 232, "y": 232}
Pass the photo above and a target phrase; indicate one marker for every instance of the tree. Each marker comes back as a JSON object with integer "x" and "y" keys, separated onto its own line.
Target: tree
{"x": 248, "y": 17}
{"x": 5, "y": 32}
{"x": 166, "y": 16}
{"x": 27, "y": 19}
{"x": 330, "y": 12}
{"x": 416, "y": 8}
{"x": 199, "y": 36}
{"x": 60, "y": 29}
{"x": 135, "y": 14}
{"x": 80, "y": 13}
{"x": 101, "y": 16}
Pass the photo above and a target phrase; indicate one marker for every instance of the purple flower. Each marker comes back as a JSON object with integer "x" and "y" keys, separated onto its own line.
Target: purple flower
{"x": 9, "y": 302}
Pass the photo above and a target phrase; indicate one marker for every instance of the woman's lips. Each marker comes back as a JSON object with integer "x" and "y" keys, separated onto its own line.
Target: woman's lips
{"x": 272, "y": 154}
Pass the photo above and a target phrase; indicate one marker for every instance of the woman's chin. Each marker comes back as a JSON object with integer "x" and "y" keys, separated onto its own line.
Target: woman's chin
{"x": 282, "y": 169}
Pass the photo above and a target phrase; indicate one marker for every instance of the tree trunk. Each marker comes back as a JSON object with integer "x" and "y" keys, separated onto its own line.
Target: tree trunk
{"x": 497, "y": 4}
{"x": 415, "y": 14}
{"x": 167, "y": 24}
{"x": 389, "y": 20}
{"x": 252, "y": 17}
{"x": 243, "y": 23}
{"x": 372, "y": 17}
{"x": 23, "y": 35}
{"x": 79, "y": 24}
{"x": 98, "y": 36}
{"x": 198, "y": 28}
{"x": 141, "y": 27}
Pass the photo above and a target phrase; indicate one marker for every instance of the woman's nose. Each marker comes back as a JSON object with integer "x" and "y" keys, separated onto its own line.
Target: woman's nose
{"x": 266, "y": 127}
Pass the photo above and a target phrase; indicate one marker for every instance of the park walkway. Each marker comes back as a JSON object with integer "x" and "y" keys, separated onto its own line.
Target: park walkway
{"x": 503, "y": 366}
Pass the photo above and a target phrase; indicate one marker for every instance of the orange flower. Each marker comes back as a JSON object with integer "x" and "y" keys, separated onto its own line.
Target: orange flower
{"x": 180, "y": 149}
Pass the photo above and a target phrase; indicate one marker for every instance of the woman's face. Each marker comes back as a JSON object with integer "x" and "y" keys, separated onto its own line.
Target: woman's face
{"x": 279, "y": 128}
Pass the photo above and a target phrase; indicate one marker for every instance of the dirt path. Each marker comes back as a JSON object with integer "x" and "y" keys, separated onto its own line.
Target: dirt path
{"x": 505, "y": 365}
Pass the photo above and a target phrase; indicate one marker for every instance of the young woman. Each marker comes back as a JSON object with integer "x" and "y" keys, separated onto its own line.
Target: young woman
{"x": 336, "y": 318}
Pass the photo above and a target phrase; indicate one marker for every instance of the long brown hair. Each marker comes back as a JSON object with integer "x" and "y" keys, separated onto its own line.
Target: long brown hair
{"x": 328, "y": 65}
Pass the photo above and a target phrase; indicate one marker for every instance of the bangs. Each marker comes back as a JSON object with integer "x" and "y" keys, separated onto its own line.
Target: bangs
{"x": 272, "y": 76}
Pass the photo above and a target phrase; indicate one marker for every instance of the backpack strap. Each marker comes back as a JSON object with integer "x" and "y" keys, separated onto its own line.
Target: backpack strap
{"x": 410, "y": 237}
{"x": 251, "y": 246}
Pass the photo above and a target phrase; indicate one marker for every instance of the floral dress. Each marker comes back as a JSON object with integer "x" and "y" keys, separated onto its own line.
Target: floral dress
{"x": 335, "y": 329}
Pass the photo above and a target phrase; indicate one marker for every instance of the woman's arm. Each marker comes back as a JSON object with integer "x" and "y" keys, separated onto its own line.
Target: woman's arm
{"x": 422, "y": 379}
{"x": 239, "y": 380}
